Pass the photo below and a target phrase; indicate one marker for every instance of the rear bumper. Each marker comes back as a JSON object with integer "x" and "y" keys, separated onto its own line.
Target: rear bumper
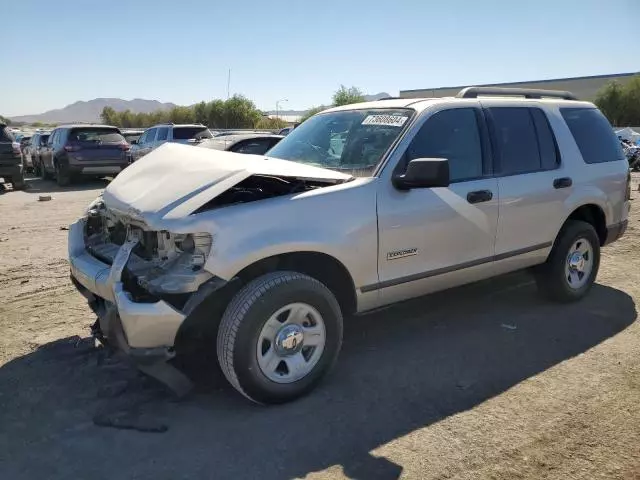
{"x": 97, "y": 168}
{"x": 10, "y": 170}
{"x": 614, "y": 232}
{"x": 142, "y": 330}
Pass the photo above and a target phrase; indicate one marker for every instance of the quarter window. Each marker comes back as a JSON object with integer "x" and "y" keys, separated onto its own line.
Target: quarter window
{"x": 454, "y": 135}
{"x": 593, "y": 135}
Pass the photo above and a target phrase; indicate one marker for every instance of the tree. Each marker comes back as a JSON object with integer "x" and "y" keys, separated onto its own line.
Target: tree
{"x": 621, "y": 103}
{"x": 346, "y": 96}
{"x": 267, "y": 123}
{"x": 5, "y": 120}
{"x": 312, "y": 111}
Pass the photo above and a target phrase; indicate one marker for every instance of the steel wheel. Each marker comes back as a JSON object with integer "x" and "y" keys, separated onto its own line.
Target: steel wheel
{"x": 579, "y": 263}
{"x": 291, "y": 342}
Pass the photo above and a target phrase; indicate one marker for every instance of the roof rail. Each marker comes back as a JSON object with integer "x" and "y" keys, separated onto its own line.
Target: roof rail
{"x": 388, "y": 98}
{"x": 475, "y": 92}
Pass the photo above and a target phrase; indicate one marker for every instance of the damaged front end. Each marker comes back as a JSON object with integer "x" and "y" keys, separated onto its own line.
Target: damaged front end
{"x": 141, "y": 284}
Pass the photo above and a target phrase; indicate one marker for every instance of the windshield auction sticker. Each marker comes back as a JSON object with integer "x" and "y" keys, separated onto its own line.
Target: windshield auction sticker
{"x": 385, "y": 120}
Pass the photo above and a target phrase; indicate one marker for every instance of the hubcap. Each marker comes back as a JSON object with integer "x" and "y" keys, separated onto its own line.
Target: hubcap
{"x": 291, "y": 343}
{"x": 579, "y": 263}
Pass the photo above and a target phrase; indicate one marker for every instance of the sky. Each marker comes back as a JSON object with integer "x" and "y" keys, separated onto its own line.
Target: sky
{"x": 180, "y": 51}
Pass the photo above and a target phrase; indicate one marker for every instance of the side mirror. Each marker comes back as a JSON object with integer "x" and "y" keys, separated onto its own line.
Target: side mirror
{"x": 424, "y": 173}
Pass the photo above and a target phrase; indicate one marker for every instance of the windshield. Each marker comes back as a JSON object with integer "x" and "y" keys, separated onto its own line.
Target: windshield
{"x": 351, "y": 141}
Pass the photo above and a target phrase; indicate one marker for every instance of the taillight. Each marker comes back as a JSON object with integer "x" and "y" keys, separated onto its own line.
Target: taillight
{"x": 124, "y": 146}
{"x": 72, "y": 148}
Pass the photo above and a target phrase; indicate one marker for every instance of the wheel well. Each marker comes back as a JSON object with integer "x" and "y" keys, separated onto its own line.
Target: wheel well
{"x": 594, "y": 215}
{"x": 324, "y": 268}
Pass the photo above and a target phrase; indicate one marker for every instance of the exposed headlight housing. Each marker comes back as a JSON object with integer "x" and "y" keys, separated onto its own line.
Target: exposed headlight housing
{"x": 196, "y": 245}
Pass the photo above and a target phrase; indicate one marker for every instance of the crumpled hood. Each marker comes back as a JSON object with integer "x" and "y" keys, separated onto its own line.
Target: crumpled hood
{"x": 174, "y": 180}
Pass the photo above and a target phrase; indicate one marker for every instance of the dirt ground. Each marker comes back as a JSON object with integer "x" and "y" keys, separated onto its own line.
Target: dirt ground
{"x": 485, "y": 381}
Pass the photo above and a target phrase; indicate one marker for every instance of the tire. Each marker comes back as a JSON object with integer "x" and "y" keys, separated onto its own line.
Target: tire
{"x": 241, "y": 342}
{"x": 556, "y": 279}
{"x": 18, "y": 182}
{"x": 44, "y": 175}
{"x": 62, "y": 176}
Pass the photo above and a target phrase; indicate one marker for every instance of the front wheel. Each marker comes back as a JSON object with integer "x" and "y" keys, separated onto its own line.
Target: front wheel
{"x": 572, "y": 266}
{"x": 279, "y": 336}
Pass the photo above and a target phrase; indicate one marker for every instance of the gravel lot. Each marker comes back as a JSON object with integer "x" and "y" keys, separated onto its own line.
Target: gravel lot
{"x": 486, "y": 381}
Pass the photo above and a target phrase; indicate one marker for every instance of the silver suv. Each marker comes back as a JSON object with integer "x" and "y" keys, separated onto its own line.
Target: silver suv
{"x": 153, "y": 137}
{"x": 359, "y": 207}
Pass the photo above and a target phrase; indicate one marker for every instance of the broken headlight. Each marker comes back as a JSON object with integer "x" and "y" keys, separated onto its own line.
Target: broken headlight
{"x": 195, "y": 245}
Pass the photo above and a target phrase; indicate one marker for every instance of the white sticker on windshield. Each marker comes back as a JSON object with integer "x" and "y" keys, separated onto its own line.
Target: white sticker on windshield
{"x": 386, "y": 120}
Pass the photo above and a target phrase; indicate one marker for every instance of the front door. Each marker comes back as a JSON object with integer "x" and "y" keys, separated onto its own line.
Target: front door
{"x": 436, "y": 238}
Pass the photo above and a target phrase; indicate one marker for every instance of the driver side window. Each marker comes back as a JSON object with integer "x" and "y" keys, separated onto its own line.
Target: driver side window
{"x": 452, "y": 134}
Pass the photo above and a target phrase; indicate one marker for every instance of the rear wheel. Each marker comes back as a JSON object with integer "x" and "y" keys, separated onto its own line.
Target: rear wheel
{"x": 18, "y": 182}
{"x": 63, "y": 177}
{"x": 572, "y": 266}
{"x": 44, "y": 175}
{"x": 279, "y": 336}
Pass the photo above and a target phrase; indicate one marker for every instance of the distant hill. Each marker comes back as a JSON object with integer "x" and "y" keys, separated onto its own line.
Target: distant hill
{"x": 367, "y": 98}
{"x": 90, "y": 111}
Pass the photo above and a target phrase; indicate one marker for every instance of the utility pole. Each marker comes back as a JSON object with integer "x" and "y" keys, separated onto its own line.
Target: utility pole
{"x": 228, "y": 84}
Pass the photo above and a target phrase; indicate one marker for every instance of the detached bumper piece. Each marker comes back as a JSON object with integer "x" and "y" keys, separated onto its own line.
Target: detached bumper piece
{"x": 145, "y": 332}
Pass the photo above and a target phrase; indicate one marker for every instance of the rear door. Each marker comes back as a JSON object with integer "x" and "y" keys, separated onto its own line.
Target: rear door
{"x": 532, "y": 181}
{"x": 96, "y": 145}
{"x": 46, "y": 152}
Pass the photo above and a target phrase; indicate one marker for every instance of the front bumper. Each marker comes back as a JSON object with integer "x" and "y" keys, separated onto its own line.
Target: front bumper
{"x": 139, "y": 329}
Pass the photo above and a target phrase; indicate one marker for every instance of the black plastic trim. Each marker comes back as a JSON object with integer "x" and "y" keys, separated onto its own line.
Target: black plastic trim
{"x": 453, "y": 268}
{"x": 615, "y": 231}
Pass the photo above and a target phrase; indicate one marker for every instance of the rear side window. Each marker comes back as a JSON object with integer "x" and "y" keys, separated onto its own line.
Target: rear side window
{"x": 5, "y": 135}
{"x": 163, "y": 133}
{"x": 516, "y": 140}
{"x": 593, "y": 135}
{"x": 95, "y": 135}
{"x": 44, "y": 139}
{"x": 187, "y": 133}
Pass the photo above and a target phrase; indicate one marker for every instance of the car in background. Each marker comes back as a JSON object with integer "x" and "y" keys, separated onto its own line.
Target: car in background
{"x": 152, "y": 138}
{"x": 31, "y": 152}
{"x": 11, "y": 168}
{"x": 132, "y": 135}
{"x": 285, "y": 131}
{"x": 248, "y": 143}
{"x": 74, "y": 151}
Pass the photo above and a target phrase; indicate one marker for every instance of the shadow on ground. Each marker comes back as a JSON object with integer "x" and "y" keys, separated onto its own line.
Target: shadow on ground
{"x": 400, "y": 370}
{"x": 37, "y": 185}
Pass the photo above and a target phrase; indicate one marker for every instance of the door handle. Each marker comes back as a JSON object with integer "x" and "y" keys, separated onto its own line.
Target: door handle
{"x": 563, "y": 182}
{"x": 479, "y": 196}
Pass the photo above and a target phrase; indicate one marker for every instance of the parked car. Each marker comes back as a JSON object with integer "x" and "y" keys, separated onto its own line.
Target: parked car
{"x": 11, "y": 168}
{"x": 285, "y": 131}
{"x": 31, "y": 153}
{"x": 131, "y": 135}
{"x": 74, "y": 151}
{"x": 252, "y": 143}
{"x": 360, "y": 207}
{"x": 157, "y": 135}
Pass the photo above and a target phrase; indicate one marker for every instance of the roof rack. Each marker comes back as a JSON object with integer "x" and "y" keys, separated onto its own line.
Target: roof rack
{"x": 475, "y": 92}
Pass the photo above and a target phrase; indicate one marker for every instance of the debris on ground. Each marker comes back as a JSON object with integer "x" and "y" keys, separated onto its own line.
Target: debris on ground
{"x": 44, "y": 198}
{"x": 64, "y": 228}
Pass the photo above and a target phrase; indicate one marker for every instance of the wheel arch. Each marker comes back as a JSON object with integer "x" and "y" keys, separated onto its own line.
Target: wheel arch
{"x": 592, "y": 214}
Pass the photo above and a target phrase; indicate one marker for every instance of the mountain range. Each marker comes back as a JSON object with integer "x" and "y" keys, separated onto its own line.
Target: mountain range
{"x": 89, "y": 111}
